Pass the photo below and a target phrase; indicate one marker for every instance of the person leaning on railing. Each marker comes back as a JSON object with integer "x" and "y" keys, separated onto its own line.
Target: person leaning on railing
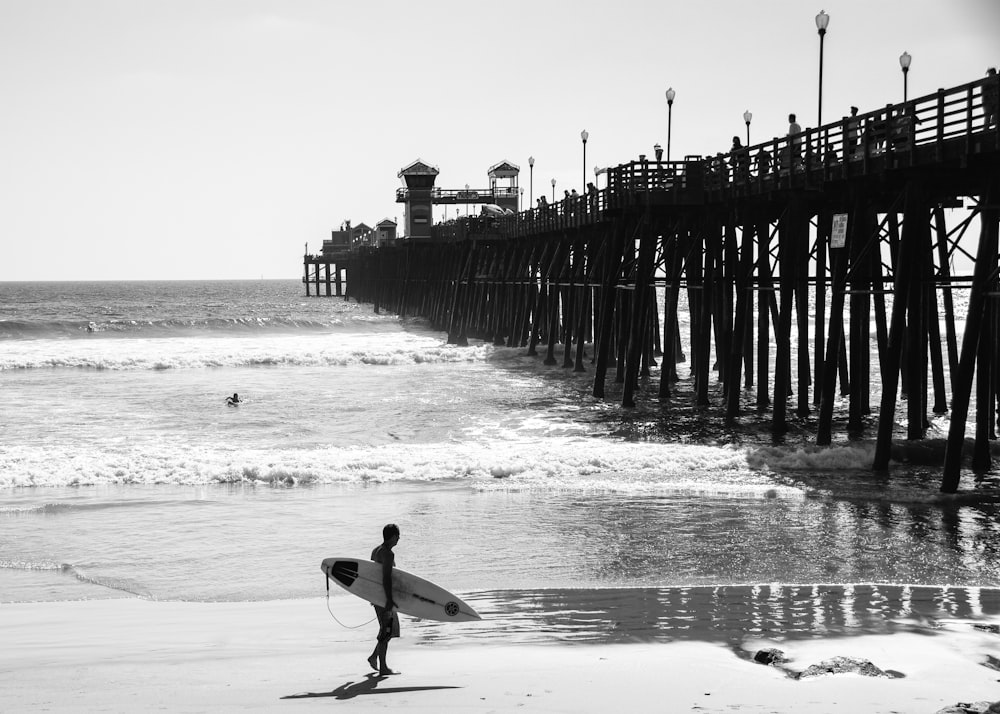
{"x": 903, "y": 127}
{"x": 763, "y": 161}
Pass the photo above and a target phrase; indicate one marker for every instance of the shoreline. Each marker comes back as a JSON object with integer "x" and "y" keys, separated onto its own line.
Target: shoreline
{"x": 135, "y": 655}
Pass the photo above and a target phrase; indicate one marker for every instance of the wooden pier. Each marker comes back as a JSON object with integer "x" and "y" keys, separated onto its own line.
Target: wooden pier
{"x": 320, "y": 267}
{"x": 809, "y": 239}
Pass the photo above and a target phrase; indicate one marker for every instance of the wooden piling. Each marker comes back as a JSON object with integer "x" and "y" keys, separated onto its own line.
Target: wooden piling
{"x": 984, "y": 274}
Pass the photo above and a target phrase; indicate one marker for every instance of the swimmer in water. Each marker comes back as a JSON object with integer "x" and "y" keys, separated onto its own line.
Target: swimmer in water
{"x": 233, "y": 400}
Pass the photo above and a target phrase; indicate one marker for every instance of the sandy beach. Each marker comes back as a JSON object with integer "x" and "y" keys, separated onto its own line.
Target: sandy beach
{"x": 129, "y": 655}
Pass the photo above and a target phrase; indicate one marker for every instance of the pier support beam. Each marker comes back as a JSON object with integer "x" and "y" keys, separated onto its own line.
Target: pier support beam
{"x": 742, "y": 324}
{"x": 765, "y": 302}
{"x": 840, "y": 262}
{"x": 984, "y": 275}
{"x": 615, "y": 248}
{"x": 907, "y": 273}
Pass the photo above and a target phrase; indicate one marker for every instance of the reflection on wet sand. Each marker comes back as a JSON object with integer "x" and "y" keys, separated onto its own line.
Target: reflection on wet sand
{"x": 726, "y": 614}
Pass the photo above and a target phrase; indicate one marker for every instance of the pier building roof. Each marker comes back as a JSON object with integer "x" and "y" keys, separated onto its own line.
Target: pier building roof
{"x": 418, "y": 168}
{"x": 504, "y": 169}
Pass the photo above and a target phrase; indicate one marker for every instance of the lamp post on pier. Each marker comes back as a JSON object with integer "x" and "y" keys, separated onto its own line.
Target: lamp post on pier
{"x": 822, "y": 20}
{"x": 670, "y": 111}
{"x": 553, "y": 190}
{"x": 467, "y": 199}
{"x": 520, "y": 199}
{"x": 747, "y": 116}
{"x": 904, "y": 64}
{"x": 584, "y": 135}
{"x": 531, "y": 180}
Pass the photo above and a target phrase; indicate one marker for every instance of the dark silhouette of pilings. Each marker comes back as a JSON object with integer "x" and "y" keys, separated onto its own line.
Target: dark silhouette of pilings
{"x": 780, "y": 305}
{"x": 979, "y": 348}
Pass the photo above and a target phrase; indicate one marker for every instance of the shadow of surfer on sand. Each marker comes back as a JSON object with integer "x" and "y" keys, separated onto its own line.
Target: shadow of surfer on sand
{"x": 369, "y": 685}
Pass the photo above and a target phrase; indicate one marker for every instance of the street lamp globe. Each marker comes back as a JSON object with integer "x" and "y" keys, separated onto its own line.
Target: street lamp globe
{"x": 822, "y": 20}
{"x": 584, "y": 135}
{"x": 670, "y": 116}
{"x": 531, "y": 180}
{"x": 904, "y": 64}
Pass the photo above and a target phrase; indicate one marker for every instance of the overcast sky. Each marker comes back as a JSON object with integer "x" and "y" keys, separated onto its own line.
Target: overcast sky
{"x": 214, "y": 138}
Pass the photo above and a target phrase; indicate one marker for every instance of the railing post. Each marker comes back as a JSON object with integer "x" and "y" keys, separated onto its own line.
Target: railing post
{"x": 807, "y": 164}
{"x": 939, "y": 147}
{"x": 968, "y": 114}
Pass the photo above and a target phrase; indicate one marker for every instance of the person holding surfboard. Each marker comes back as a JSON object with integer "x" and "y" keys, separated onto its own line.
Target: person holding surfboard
{"x": 233, "y": 400}
{"x": 388, "y": 619}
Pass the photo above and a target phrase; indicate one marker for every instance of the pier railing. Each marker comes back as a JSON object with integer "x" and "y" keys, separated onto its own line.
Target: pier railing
{"x": 920, "y": 131}
{"x": 469, "y": 195}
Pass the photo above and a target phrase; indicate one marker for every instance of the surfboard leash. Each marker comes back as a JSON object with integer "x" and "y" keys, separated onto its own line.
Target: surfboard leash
{"x": 346, "y": 627}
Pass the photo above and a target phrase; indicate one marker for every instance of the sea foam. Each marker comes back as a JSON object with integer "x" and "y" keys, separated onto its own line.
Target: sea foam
{"x": 550, "y": 464}
{"x": 198, "y": 353}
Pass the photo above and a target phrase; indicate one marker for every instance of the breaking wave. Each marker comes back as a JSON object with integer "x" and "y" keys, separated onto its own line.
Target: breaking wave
{"x": 560, "y": 464}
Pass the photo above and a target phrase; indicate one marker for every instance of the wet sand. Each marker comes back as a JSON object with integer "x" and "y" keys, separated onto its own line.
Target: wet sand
{"x": 129, "y": 655}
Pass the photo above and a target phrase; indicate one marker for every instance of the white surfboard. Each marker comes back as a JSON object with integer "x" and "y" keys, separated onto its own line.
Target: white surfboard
{"x": 413, "y": 595}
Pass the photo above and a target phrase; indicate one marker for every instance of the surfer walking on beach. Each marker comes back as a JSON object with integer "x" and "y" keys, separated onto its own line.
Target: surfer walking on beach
{"x": 388, "y": 619}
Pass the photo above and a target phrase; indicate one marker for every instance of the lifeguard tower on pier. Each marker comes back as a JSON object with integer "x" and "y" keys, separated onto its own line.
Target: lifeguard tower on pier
{"x": 420, "y": 195}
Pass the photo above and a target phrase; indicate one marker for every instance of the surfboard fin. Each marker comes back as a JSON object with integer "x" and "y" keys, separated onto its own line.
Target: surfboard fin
{"x": 345, "y": 572}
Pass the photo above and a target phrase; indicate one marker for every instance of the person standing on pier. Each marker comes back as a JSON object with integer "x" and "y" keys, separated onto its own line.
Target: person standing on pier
{"x": 739, "y": 159}
{"x": 851, "y": 133}
{"x": 388, "y": 619}
{"x": 991, "y": 98}
{"x": 794, "y": 140}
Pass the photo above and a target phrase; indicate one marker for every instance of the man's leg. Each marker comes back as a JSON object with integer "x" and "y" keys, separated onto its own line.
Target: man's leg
{"x": 383, "y": 648}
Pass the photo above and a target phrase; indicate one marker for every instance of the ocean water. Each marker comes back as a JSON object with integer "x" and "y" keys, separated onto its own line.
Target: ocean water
{"x": 123, "y": 473}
